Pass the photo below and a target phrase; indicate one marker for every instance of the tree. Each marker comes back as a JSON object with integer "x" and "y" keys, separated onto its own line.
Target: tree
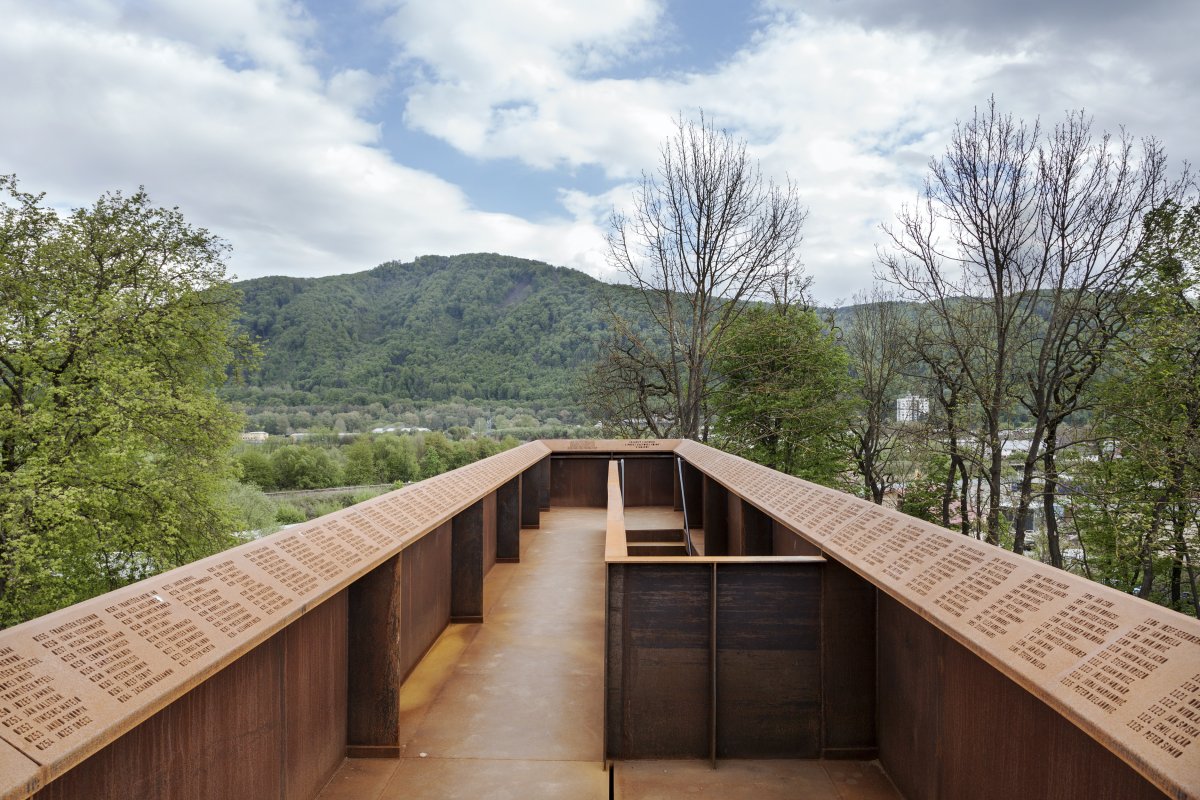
{"x": 707, "y": 235}
{"x": 784, "y": 396}
{"x": 1093, "y": 195}
{"x": 878, "y": 342}
{"x": 965, "y": 252}
{"x": 116, "y": 327}
{"x": 1150, "y": 414}
{"x": 256, "y": 468}
{"x": 361, "y": 468}
{"x": 304, "y": 467}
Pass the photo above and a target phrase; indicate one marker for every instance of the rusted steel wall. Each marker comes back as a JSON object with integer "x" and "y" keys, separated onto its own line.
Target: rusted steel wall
{"x": 786, "y": 542}
{"x": 1111, "y": 669}
{"x": 426, "y": 583}
{"x": 649, "y": 481}
{"x": 376, "y": 607}
{"x": 685, "y": 684}
{"x": 578, "y": 481}
{"x": 508, "y": 522}
{"x": 87, "y": 679}
{"x": 272, "y": 724}
{"x": 952, "y": 726}
{"x": 531, "y": 492}
{"x": 660, "y": 685}
{"x": 715, "y": 501}
{"x": 848, "y": 657}
{"x": 768, "y": 660}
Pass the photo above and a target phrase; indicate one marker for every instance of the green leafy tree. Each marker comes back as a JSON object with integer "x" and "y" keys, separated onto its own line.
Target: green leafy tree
{"x": 396, "y": 457}
{"x": 784, "y": 394}
{"x": 360, "y": 463}
{"x": 1141, "y": 503}
{"x": 432, "y": 463}
{"x": 256, "y": 468}
{"x": 304, "y": 467}
{"x": 115, "y": 330}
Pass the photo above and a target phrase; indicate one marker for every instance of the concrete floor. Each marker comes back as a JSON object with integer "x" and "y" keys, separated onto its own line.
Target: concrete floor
{"x": 513, "y": 708}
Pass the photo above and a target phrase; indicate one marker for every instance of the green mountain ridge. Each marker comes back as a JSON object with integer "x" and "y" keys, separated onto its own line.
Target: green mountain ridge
{"x": 478, "y": 326}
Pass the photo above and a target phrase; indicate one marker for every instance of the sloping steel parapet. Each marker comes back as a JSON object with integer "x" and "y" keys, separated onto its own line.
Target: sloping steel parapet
{"x": 75, "y": 680}
{"x": 1124, "y": 670}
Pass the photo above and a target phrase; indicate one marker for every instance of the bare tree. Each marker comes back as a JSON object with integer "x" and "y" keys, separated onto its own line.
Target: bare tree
{"x": 1093, "y": 195}
{"x": 965, "y": 251}
{"x": 707, "y": 235}
{"x": 878, "y": 340}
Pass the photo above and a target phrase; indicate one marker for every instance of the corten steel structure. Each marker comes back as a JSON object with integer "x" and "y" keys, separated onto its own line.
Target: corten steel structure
{"x": 787, "y": 621}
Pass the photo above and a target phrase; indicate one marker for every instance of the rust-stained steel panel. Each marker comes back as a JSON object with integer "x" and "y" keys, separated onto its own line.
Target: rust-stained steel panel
{"x": 578, "y": 481}
{"x": 768, "y": 660}
{"x": 756, "y": 531}
{"x": 648, "y": 481}
{"x": 786, "y": 542}
{"x": 542, "y": 483}
{"x": 314, "y": 700}
{"x": 716, "y": 518}
{"x": 959, "y": 728}
{"x": 848, "y": 654}
{"x": 212, "y": 742}
{"x": 101, "y": 667}
{"x": 530, "y": 511}
{"x": 374, "y": 641}
{"x": 1122, "y": 669}
{"x": 508, "y": 521}
{"x": 466, "y": 565}
{"x": 426, "y": 582}
{"x": 693, "y": 494}
{"x": 665, "y": 674}
{"x": 911, "y": 665}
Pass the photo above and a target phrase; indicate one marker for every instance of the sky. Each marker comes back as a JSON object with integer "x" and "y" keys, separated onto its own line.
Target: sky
{"x": 321, "y": 137}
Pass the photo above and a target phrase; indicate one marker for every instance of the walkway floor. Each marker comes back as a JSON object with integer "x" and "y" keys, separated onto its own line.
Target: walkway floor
{"x": 513, "y": 708}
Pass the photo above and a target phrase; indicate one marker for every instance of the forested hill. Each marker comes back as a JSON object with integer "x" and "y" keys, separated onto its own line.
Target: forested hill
{"x": 479, "y": 326}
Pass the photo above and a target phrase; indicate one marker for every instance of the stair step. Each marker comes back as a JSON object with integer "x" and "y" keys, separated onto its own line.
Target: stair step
{"x": 673, "y": 535}
{"x": 657, "y": 549}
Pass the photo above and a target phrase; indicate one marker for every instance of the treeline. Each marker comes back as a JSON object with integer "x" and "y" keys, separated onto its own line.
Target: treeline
{"x": 366, "y": 460}
{"x": 497, "y": 420}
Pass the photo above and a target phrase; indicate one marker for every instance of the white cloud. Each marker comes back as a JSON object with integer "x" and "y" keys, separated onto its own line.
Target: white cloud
{"x": 261, "y": 155}
{"x": 218, "y": 107}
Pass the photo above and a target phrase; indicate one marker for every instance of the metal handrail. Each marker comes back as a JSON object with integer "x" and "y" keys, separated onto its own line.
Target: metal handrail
{"x": 687, "y": 530}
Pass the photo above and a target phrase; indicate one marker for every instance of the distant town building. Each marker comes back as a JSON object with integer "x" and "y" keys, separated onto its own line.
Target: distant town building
{"x": 911, "y": 408}
{"x": 255, "y": 437}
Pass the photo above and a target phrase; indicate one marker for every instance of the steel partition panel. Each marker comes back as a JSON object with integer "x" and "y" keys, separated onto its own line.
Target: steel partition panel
{"x": 675, "y": 691}
{"x": 665, "y": 674}
{"x": 848, "y": 664}
{"x": 768, "y": 668}
{"x": 577, "y": 481}
{"x": 426, "y": 578}
{"x": 649, "y": 481}
{"x": 508, "y": 521}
